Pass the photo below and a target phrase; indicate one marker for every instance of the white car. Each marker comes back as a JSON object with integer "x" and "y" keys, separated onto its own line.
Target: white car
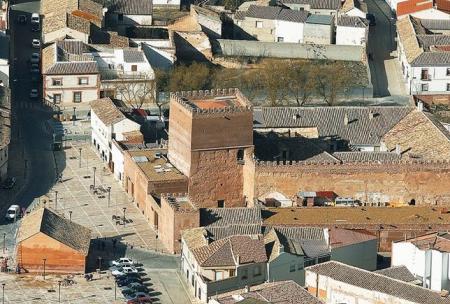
{"x": 34, "y": 93}
{"x": 13, "y": 212}
{"x": 35, "y": 57}
{"x": 34, "y": 68}
{"x": 122, "y": 262}
{"x": 35, "y": 43}
{"x": 124, "y": 271}
{"x": 35, "y": 18}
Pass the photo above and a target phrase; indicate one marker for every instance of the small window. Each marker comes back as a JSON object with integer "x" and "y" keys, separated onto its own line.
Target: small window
{"x": 56, "y": 98}
{"x": 83, "y": 80}
{"x": 257, "y": 271}
{"x": 280, "y": 39}
{"x": 240, "y": 156}
{"x": 232, "y": 272}
{"x": 77, "y": 97}
{"x": 259, "y": 24}
{"x": 57, "y": 82}
{"x": 448, "y": 86}
{"x": 292, "y": 268}
{"x": 424, "y": 87}
{"x": 220, "y": 204}
{"x": 134, "y": 68}
{"x": 448, "y": 72}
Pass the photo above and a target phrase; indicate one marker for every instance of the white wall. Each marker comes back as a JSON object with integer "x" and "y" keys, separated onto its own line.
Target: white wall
{"x": 63, "y": 32}
{"x": 356, "y": 13}
{"x": 346, "y": 35}
{"x": 69, "y": 85}
{"x": 123, "y": 126}
{"x": 101, "y": 136}
{"x": 437, "y": 84}
{"x": 166, "y": 2}
{"x": 290, "y": 31}
{"x": 118, "y": 160}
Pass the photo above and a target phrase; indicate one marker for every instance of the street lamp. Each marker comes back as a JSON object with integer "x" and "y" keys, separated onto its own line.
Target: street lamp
{"x": 70, "y": 215}
{"x": 94, "y": 168}
{"x": 44, "y": 267}
{"x": 124, "y": 209}
{"x": 79, "y": 158}
{"x": 109, "y": 196}
{"x": 3, "y": 293}
{"x": 56, "y": 200}
{"x": 59, "y": 291}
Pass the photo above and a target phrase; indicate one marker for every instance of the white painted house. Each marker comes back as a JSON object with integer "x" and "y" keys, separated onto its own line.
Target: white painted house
{"x": 124, "y": 13}
{"x": 423, "y": 57}
{"x": 427, "y": 258}
{"x": 316, "y": 7}
{"x": 351, "y": 30}
{"x": 354, "y": 8}
{"x": 108, "y": 123}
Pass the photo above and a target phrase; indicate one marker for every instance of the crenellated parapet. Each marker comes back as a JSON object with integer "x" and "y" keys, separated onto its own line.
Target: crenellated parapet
{"x": 179, "y": 202}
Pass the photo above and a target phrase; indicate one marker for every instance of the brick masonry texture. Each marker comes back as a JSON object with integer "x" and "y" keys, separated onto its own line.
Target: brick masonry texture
{"x": 91, "y": 7}
{"x": 54, "y": 13}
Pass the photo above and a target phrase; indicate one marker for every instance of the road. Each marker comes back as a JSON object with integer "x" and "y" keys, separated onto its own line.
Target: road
{"x": 385, "y": 69}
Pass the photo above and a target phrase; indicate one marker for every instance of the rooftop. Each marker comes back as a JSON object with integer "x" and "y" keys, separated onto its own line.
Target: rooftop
{"x": 316, "y": 4}
{"x": 155, "y": 165}
{"x": 352, "y": 21}
{"x": 275, "y": 13}
{"x": 180, "y": 203}
{"x": 344, "y": 237}
{"x": 72, "y": 68}
{"x": 436, "y": 241}
{"x": 399, "y": 273}
{"x": 320, "y": 19}
{"x": 51, "y": 224}
{"x": 386, "y": 216}
{"x": 376, "y": 282}
{"x": 131, "y": 7}
{"x": 228, "y": 216}
{"x": 283, "y": 292}
{"x": 107, "y": 111}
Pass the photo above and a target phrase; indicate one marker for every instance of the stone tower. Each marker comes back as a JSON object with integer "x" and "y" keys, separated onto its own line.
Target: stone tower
{"x": 210, "y": 140}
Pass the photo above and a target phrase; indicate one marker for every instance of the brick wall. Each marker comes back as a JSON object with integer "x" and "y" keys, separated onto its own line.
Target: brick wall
{"x": 426, "y": 183}
{"x": 91, "y": 7}
{"x": 78, "y": 24}
{"x": 54, "y": 13}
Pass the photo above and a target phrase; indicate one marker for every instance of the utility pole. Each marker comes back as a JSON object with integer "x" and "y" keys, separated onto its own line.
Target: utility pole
{"x": 59, "y": 291}
{"x": 70, "y": 215}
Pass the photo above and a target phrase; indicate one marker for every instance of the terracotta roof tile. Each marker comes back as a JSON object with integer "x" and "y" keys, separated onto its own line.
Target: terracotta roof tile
{"x": 107, "y": 111}
{"x": 399, "y": 273}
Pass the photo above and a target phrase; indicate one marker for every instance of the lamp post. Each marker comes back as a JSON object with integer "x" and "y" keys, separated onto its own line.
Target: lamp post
{"x": 94, "y": 168}
{"x": 115, "y": 291}
{"x": 124, "y": 209}
{"x": 79, "y": 157}
{"x": 109, "y": 196}
{"x": 70, "y": 215}
{"x": 3, "y": 293}
{"x": 56, "y": 200}
{"x": 59, "y": 291}
{"x": 44, "y": 267}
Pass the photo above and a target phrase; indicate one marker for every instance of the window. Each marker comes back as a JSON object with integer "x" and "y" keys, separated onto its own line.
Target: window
{"x": 220, "y": 204}
{"x": 424, "y": 75}
{"x": 259, "y": 24}
{"x": 83, "y": 80}
{"x": 257, "y": 271}
{"x": 323, "y": 259}
{"x": 240, "y": 156}
{"x": 280, "y": 39}
{"x": 448, "y": 86}
{"x": 219, "y": 275}
{"x": 57, "y": 82}
{"x": 309, "y": 262}
{"x": 292, "y": 268}
{"x": 424, "y": 87}
{"x": 232, "y": 272}
{"x": 77, "y": 97}
{"x": 448, "y": 72}
{"x": 244, "y": 274}
{"x": 134, "y": 68}
{"x": 56, "y": 98}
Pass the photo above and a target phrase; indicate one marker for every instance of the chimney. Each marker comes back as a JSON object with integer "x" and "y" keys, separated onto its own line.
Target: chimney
{"x": 345, "y": 119}
{"x": 398, "y": 149}
{"x": 420, "y": 106}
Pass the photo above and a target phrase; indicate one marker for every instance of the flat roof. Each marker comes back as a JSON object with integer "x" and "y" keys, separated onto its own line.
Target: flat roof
{"x": 155, "y": 165}
{"x": 356, "y": 215}
{"x": 215, "y": 103}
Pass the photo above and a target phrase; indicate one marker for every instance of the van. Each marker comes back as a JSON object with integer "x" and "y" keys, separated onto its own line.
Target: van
{"x": 13, "y": 212}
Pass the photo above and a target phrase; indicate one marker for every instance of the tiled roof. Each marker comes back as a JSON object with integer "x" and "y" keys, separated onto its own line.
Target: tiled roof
{"x": 351, "y": 21}
{"x": 344, "y": 237}
{"x": 239, "y": 15}
{"x": 217, "y": 233}
{"x": 107, "y": 111}
{"x": 226, "y": 252}
{"x": 283, "y": 292}
{"x": 407, "y": 37}
{"x": 366, "y": 125}
{"x": 359, "y": 156}
{"x": 131, "y": 7}
{"x": 435, "y": 241}
{"x": 49, "y": 223}
{"x": 435, "y": 24}
{"x": 316, "y": 4}
{"x": 399, "y": 273}
{"x": 320, "y": 19}
{"x": 431, "y": 59}
{"x": 228, "y": 216}
{"x": 276, "y": 13}
{"x": 377, "y": 282}
{"x": 73, "y": 46}
{"x": 72, "y": 68}
{"x": 133, "y": 56}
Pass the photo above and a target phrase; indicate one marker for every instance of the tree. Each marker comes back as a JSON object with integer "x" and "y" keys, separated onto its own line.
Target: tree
{"x": 193, "y": 77}
{"x": 274, "y": 75}
{"x": 302, "y": 81}
{"x": 246, "y": 80}
{"x": 135, "y": 92}
{"x": 331, "y": 79}
{"x": 162, "y": 78}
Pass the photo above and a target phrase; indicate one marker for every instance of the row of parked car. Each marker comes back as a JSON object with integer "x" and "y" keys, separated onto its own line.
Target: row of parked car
{"x": 129, "y": 279}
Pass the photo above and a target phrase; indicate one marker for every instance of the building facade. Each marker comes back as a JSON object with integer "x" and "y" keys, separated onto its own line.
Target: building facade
{"x": 351, "y": 30}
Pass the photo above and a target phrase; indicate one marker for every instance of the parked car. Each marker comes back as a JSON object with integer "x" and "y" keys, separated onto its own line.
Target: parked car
{"x": 13, "y": 212}
{"x": 123, "y": 262}
{"x": 35, "y": 43}
{"x": 9, "y": 183}
{"x": 35, "y": 58}
{"x": 34, "y": 68}
{"x": 138, "y": 296}
{"x": 128, "y": 292}
{"x": 34, "y": 93}
{"x": 137, "y": 287}
{"x": 124, "y": 271}
{"x": 140, "y": 301}
{"x": 22, "y": 19}
{"x": 126, "y": 280}
{"x": 35, "y": 18}
{"x": 371, "y": 18}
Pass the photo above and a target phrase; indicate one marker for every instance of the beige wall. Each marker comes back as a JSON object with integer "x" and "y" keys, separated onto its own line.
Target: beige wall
{"x": 266, "y": 33}
{"x": 70, "y": 85}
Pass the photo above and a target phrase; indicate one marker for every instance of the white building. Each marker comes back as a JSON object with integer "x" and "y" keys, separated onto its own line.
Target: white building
{"x": 354, "y": 8}
{"x": 316, "y": 7}
{"x": 423, "y": 57}
{"x": 427, "y": 258}
{"x": 108, "y": 123}
{"x": 124, "y": 13}
{"x": 351, "y": 30}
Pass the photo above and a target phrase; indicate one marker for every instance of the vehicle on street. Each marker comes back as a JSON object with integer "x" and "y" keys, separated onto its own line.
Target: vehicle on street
{"x": 125, "y": 281}
{"x": 34, "y": 93}
{"x": 346, "y": 202}
{"x": 34, "y": 68}
{"x": 22, "y": 19}
{"x": 35, "y": 22}
{"x": 371, "y": 18}
{"x": 140, "y": 301}
{"x": 9, "y": 183}
{"x": 122, "y": 262}
{"x": 13, "y": 212}
{"x": 124, "y": 271}
{"x": 35, "y": 43}
{"x": 137, "y": 296}
{"x": 35, "y": 57}
{"x": 137, "y": 287}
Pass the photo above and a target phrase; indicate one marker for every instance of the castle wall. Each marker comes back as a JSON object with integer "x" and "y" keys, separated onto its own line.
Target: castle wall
{"x": 426, "y": 183}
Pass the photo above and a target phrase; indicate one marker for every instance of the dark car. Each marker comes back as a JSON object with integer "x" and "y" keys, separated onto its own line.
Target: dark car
{"x": 22, "y": 19}
{"x": 9, "y": 183}
{"x": 127, "y": 276}
{"x": 371, "y": 18}
{"x": 128, "y": 280}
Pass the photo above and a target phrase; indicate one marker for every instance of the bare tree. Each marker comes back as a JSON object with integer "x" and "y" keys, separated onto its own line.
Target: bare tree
{"x": 302, "y": 81}
{"x": 275, "y": 77}
{"x": 135, "y": 92}
{"x": 332, "y": 79}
